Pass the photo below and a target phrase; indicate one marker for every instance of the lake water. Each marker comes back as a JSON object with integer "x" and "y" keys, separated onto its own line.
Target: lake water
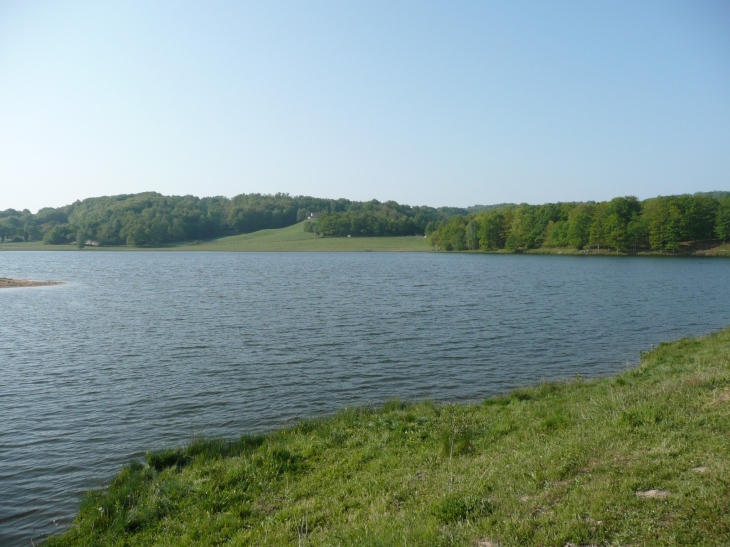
{"x": 144, "y": 350}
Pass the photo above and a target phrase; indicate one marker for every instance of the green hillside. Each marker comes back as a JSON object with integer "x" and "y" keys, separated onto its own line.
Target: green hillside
{"x": 151, "y": 219}
{"x": 292, "y": 238}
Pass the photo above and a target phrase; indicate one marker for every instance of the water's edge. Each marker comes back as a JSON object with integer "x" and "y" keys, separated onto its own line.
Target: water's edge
{"x": 142, "y": 351}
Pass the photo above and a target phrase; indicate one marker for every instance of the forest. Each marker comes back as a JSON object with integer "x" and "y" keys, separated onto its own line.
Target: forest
{"x": 375, "y": 219}
{"x": 151, "y": 219}
{"x": 623, "y": 224}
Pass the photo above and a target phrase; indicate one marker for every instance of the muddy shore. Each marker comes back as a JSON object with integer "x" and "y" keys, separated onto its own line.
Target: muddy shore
{"x": 6, "y": 283}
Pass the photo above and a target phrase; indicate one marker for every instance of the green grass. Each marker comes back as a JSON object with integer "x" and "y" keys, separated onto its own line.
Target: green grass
{"x": 551, "y": 465}
{"x": 292, "y": 238}
{"x": 35, "y": 246}
{"x": 722, "y": 249}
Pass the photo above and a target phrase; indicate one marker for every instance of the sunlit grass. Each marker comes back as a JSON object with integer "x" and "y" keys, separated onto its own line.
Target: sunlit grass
{"x": 292, "y": 239}
{"x": 638, "y": 459}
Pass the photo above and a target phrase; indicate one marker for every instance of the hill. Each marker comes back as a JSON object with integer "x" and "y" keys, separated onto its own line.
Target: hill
{"x": 292, "y": 238}
{"x": 151, "y": 219}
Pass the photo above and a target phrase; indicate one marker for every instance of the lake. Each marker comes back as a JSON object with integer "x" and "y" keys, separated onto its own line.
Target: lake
{"x": 145, "y": 350}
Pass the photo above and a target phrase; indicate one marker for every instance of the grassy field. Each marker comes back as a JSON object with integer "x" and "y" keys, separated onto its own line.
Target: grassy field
{"x": 637, "y": 459}
{"x": 292, "y": 238}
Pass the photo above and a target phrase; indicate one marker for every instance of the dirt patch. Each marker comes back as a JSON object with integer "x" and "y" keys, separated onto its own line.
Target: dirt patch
{"x": 6, "y": 283}
{"x": 695, "y": 382}
{"x": 700, "y": 469}
{"x": 653, "y": 494}
{"x": 715, "y": 248}
{"x": 721, "y": 398}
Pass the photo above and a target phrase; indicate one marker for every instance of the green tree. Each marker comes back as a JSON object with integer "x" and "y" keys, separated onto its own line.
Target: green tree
{"x": 471, "y": 235}
{"x": 618, "y": 214}
{"x": 656, "y": 215}
{"x": 672, "y": 228}
{"x": 57, "y": 235}
{"x": 615, "y": 232}
{"x": 579, "y": 226}
{"x": 598, "y": 226}
{"x": 637, "y": 232}
{"x": 698, "y": 222}
{"x": 453, "y": 237}
{"x": 522, "y": 232}
{"x": 556, "y": 234}
{"x": 434, "y": 239}
{"x": 722, "y": 223}
{"x": 491, "y": 230}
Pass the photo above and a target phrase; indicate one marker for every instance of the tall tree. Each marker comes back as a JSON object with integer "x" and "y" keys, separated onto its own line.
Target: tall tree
{"x": 598, "y": 225}
{"x": 579, "y": 226}
{"x": 491, "y": 230}
{"x": 722, "y": 226}
{"x": 471, "y": 235}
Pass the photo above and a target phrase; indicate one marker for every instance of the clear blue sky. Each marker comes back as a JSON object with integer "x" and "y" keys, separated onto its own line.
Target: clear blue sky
{"x": 448, "y": 103}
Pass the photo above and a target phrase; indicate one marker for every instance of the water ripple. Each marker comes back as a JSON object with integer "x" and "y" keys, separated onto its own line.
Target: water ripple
{"x": 140, "y": 351}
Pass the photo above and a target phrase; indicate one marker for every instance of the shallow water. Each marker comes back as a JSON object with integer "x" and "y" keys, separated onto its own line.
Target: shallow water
{"x": 144, "y": 350}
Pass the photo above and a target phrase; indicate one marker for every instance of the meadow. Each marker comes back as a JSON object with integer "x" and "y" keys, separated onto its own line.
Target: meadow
{"x": 291, "y": 239}
{"x": 635, "y": 459}
{"x": 294, "y": 238}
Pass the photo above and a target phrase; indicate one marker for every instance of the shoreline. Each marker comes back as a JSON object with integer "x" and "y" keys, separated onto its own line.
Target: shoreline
{"x": 634, "y": 458}
{"x": 7, "y": 283}
{"x": 332, "y": 247}
{"x": 295, "y": 239}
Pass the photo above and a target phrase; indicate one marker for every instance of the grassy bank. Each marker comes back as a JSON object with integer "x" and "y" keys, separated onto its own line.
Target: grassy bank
{"x": 688, "y": 249}
{"x": 638, "y": 459}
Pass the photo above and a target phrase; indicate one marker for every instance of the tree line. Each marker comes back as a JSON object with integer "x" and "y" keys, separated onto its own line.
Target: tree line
{"x": 375, "y": 219}
{"x": 150, "y": 219}
{"x": 623, "y": 224}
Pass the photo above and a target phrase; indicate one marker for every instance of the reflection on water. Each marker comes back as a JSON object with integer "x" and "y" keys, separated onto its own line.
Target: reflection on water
{"x": 140, "y": 351}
